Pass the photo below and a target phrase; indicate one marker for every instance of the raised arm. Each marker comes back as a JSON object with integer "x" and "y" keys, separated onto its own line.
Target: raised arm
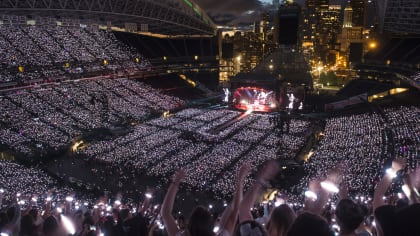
{"x": 142, "y": 208}
{"x": 168, "y": 203}
{"x": 268, "y": 172}
{"x": 13, "y": 227}
{"x": 411, "y": 182}
{"x": 385, "y": 182}
{"x": 324, "y": 189}
{"x": 1, "y": 196}
{"x": 321, "y": 201}
{"x": 230, "y": 215}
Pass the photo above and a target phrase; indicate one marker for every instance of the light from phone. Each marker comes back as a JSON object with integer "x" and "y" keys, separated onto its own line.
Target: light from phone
{"x": 59, "y": 210}
{"x": 148, "y": 195}
{"x": 406, "y": 189}
{"x": 329, "y": 186}
{"x": 68, "y": 225}
{"x": 279, "y": 201}
{"x": 69, "y": 198}
{"x": 311, "y": 195}
{"x": 391, "y": 173}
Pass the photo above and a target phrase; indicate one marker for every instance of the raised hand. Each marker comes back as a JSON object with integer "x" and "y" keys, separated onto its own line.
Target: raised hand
{"x": 399, "y": 164}
{"x": 178, "y": 176}
{"x": 268, "y": 171}
{"x": 244, "y": 170}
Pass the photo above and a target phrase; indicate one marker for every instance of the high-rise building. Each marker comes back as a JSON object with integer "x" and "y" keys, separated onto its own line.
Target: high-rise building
{"x": 328, "y": 31}
{"x": 348, "y": 17}
{"x": 359, "y": 12}
{"x": 288, "y": 24}
{"x": 264, "y": 23}
{"x": 316, "y": 5}
{"x": 351, "y": 39}
{"x": 399, "y": 16}
{"x": 311, "y": 26}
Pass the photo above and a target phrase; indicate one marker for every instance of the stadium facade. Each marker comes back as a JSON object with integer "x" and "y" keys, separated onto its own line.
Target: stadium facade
{"x": 167, "y": 17}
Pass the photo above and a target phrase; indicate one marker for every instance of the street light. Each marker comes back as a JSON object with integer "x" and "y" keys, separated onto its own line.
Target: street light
{"x": 372, "y": 45}
{"x": 319, "y": 68}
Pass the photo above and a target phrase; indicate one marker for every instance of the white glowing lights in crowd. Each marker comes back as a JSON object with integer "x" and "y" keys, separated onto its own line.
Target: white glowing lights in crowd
{"x": 59, "y": 210}
{"x": 69, "y": 198}
{"x": 407, "y": 191}
{"x": 329, "y": 186}
{"x": 68, "y": 224}
{"x": 391, "y": 172}
{"x": 311, "y": 195}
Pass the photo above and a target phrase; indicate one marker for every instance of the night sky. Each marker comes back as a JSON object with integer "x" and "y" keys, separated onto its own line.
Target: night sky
{"x": 239, "y": 12}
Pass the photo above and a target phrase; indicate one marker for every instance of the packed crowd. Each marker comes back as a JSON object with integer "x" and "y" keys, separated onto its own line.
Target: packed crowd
{"x": 327, "y": 209}
{"x": 360, "y": 143}
{"x": 50, "y": 118}
{"x": 404, "y": 123}
{"x": 211, "y": 145}
{"x": 363, "y": 144}
{"x": 50, "y": 53}
{"x": 24, "y": 181}
{"x": 187, "y": 139}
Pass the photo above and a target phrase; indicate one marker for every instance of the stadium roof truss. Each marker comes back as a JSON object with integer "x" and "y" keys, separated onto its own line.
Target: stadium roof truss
{"x": 164, "y": 17}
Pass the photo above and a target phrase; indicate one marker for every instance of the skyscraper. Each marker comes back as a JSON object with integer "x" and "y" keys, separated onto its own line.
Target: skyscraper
{"x": 328, "y": 31}
{"x": 311, "y": 26}
{"x": 351, "y": 39}
{"x": 359, "y": 11}
{"x": 288, "y": 23}
{"x": 316, "y": 5}
{"x": 348, "y": 17}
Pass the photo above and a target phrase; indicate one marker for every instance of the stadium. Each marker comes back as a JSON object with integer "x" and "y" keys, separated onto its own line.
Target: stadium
{"x": 103, "y": 101}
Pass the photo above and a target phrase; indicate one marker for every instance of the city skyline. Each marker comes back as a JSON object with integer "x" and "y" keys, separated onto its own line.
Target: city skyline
{"x": 239, "y": 12}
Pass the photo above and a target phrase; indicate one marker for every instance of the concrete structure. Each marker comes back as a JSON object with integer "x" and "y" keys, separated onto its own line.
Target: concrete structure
{"x": 399, "y": 16}
{"x": 164, "y": 17}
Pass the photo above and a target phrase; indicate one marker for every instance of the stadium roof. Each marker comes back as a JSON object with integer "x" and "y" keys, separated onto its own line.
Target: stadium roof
{"x": 164, "y": 17}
